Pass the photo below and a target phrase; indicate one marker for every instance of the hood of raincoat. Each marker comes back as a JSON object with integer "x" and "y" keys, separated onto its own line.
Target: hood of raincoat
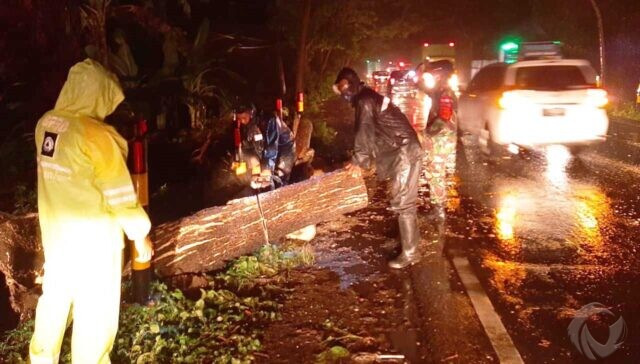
{"x": 353, "y": 80}
{"x": 90, "y": 91}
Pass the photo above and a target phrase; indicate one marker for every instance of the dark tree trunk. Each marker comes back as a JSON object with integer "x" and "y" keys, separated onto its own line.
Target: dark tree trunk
{"x": 325, "y": 62}
{"x": 302, "y": 53}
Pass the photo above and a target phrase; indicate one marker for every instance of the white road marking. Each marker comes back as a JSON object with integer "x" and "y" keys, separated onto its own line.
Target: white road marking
{"x": 491, "y": 322}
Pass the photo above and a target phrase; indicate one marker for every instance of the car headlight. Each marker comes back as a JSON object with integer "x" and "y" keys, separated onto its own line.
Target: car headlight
{"x": 429, "y": 80}
{"x": 454, "y": 83}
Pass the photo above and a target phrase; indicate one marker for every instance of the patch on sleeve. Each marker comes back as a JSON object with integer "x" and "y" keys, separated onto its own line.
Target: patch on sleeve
{"x": 49, "y": 144}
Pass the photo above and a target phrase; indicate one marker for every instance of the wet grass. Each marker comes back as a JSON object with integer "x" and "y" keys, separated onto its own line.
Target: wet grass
{"x": 626, "y": 110}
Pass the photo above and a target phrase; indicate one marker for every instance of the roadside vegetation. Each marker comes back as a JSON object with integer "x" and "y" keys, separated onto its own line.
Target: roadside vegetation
{"x": 221, "y": 323}
{"x": 626, "y": 110}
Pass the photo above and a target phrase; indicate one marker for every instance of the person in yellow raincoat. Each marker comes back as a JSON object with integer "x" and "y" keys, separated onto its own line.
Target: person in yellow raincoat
{"x": 85, "y": 200}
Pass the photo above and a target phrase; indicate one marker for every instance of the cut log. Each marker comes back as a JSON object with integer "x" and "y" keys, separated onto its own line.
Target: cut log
{"x": 208, "y": 239}
{"x": 198, "y": 243}
{"x": 304, "y": 153}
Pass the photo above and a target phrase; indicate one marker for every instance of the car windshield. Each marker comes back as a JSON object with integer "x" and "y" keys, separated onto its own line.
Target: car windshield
{"x": 550, "y": 78}
{"x": 398, "y": 74}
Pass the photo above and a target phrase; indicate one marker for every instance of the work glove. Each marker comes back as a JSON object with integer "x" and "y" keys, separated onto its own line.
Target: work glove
{"x": 263, "y": 180}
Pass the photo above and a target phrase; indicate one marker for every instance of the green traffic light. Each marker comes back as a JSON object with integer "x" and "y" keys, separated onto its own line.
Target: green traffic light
{"x": 509, "y": 46}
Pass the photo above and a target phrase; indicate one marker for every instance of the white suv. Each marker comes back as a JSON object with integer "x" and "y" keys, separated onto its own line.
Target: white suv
{"x": 534, "y": 103}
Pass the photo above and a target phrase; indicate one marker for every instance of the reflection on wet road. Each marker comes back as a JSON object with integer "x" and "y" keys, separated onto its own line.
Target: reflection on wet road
{"x": 550, "y": 233}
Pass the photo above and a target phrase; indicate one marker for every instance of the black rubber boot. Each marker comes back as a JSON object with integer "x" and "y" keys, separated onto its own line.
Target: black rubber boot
{"x": 409, "y": 238}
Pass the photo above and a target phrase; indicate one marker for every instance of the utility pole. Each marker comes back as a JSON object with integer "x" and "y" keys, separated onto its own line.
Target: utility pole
{"x": 596, "y": 9}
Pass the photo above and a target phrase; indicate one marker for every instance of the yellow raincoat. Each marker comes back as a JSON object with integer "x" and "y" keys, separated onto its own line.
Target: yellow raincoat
{"x": 85, "y": 201}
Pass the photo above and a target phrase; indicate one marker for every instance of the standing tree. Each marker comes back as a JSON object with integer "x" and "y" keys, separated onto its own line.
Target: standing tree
{"x": 302, "y": 46}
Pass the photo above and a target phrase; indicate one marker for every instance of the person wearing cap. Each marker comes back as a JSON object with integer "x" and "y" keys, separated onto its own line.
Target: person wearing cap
{"x": 441, "y": 128}
{"x": 384, "y": 136}
{"x": 268, "y": 142}
{"x": 86, "y": 200}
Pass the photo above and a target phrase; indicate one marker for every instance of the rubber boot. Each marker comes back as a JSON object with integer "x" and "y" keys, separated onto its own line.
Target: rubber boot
{"x": 409, "y": 238}
{"x": 437, "y": 212}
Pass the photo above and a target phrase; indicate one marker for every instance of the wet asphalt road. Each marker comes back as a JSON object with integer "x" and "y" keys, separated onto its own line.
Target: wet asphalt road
{"x": 546, "y": 234}
{"x": 549, "y": 233}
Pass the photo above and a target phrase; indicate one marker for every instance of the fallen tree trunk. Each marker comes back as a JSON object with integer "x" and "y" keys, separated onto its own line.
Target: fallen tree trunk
{"x": 197, "y": 243}
{"x": 207, "y": 239}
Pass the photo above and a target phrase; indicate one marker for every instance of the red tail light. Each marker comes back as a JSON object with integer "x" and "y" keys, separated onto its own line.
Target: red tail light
{"x": 445, "y": 111}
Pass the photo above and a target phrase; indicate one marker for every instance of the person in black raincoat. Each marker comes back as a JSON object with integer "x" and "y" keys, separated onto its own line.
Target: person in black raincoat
{"x": 384, "y": 134}
{"x": 267, "y": 140}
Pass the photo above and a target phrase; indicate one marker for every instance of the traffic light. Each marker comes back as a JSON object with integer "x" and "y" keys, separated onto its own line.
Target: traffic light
{"x": 509, "y": 46}
{"x": 509, "y": 51}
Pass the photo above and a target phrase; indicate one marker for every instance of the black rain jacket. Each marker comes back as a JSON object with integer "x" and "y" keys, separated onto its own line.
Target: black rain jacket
{"x": 383, "y": 133}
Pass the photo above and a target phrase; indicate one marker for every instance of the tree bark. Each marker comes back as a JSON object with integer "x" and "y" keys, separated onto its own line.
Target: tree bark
{"x": 198, "y": 243}
{"x": 207, "y": 240}
{"x": 325, "y": 62}
{"x": 304, "y": 152}
{"x": 302, "y": 53}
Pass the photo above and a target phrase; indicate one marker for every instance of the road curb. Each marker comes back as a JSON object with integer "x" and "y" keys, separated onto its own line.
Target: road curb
{"x": 489, "y": 318}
